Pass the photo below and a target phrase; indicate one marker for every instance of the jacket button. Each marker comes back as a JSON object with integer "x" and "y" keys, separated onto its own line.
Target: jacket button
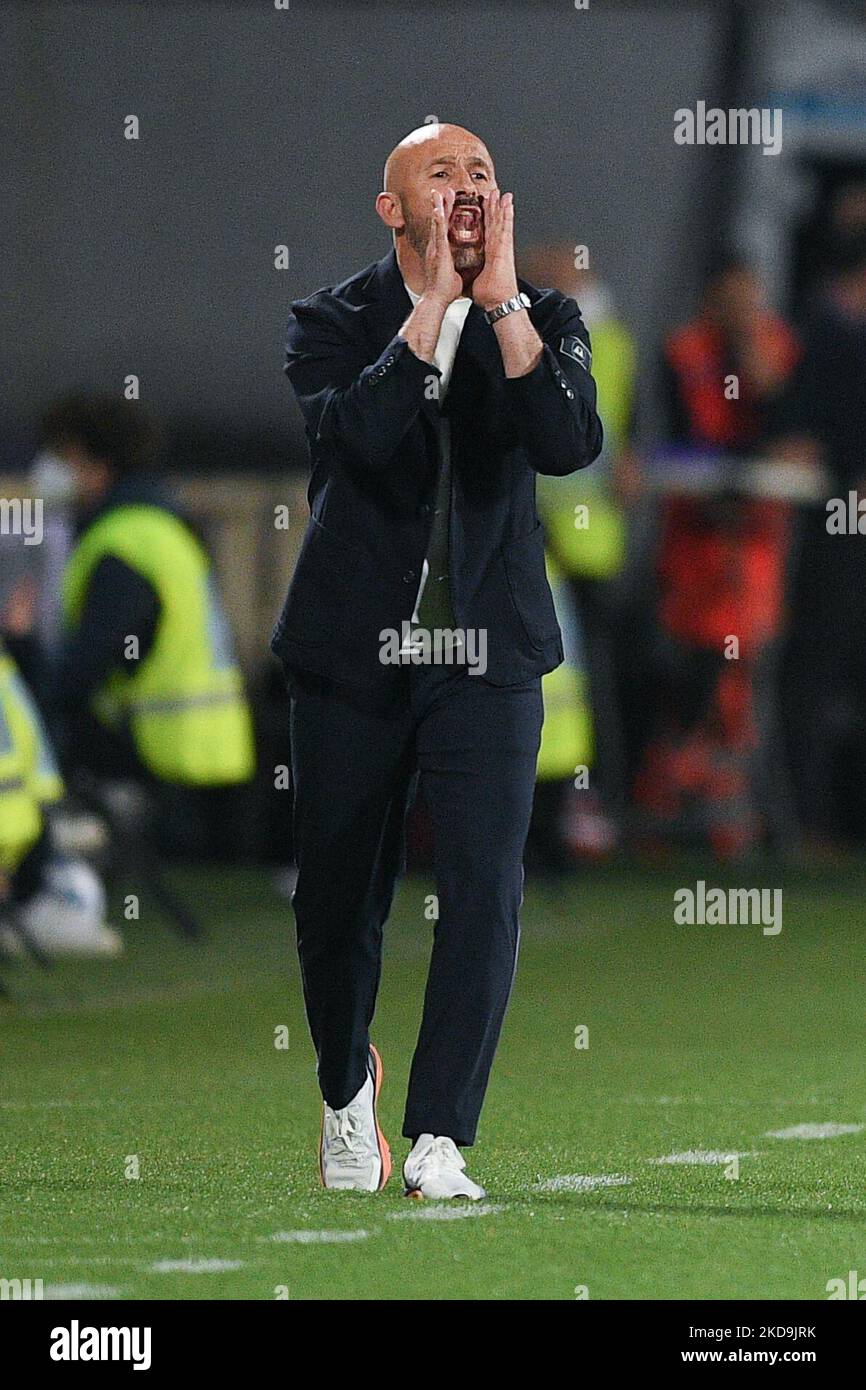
{"x": 570, "y": 395}
{"x": 408, "y": 577}
{"x": 424, "y": 509}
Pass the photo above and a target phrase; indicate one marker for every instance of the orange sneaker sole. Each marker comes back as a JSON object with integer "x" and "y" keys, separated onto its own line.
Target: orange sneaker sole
{"x": 384, "y": 1150}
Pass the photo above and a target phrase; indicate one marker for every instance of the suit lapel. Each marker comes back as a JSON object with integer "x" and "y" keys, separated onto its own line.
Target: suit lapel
{"x": 388, "y": 308}
{"x": 477, "y": 352}
{"x": 389, "y": 305}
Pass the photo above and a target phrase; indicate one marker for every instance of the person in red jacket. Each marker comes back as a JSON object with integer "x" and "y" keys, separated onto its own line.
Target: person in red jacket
{"x": 721, "y": 560}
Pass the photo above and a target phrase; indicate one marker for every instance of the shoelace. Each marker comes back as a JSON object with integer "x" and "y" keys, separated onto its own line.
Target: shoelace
{"x": 442, "y": 1153}
{"x": 344, "y": 1131}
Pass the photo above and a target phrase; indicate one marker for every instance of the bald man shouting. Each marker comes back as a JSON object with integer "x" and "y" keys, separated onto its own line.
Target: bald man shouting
{"x": 434, "y": 386}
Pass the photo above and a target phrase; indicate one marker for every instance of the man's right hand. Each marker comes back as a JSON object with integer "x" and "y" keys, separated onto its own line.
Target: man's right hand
{"x": 441, "y": 279}
{"x": 442, "y": 284}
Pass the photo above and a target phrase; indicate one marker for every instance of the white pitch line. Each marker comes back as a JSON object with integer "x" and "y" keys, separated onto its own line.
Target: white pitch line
{"x": 662, "y": 1100}
{"x": 813, "y": 1131}
{"x": 77, "y": 1260}
{"x": 88, "y": 1291}
{"x": 420, "y": 1211}
{"x": 704, "y": 1156}
{"x": 317, "y": 1237}
{"x": 104, "y": 1240}
{"x": 196, "y": 1266}
{"x": 49, "y": 1104}
{"x": 581, "y": 1182}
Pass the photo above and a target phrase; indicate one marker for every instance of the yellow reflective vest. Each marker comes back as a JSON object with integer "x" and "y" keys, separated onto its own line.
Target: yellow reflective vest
{"x": 28, "y": 774}
{"x": 184, "y": 704}
{"x": 584, "y": 523}
{"x": 567, "y": 733}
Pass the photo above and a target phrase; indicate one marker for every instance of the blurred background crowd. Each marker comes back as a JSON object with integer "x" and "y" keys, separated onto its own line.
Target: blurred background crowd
{"x": 714, "y": 688}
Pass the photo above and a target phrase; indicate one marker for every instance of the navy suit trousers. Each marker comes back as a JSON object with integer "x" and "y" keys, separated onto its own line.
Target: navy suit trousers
{"x": 472, "y": 747}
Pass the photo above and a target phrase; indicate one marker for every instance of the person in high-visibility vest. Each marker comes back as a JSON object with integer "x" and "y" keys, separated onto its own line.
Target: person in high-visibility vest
{"x": 148, "y": 654}
{"x": 56, "y": 902}
{"x": 585, "y": 523}
{"x": 27, "y": 778}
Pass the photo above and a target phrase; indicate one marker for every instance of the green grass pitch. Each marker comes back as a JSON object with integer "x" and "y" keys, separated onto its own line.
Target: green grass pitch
{"x": 700, "y": 1038}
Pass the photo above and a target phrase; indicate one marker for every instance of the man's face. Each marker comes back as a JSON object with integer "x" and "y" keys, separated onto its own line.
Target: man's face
{"x": 455, "y": 160}
{"x": 736, "y": 299}
{"x": 92, "y": 476}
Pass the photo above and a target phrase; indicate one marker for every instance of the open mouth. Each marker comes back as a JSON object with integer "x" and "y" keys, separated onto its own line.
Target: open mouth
{"x": 466, "y": 226}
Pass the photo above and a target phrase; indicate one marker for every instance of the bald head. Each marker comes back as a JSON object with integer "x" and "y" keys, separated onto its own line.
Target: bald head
{"x": 421, "y": 146}
{"x": 436, "y": 158}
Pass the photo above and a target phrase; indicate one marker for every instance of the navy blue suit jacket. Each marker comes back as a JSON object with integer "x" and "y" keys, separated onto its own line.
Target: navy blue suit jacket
{"x": 370, "y": 410}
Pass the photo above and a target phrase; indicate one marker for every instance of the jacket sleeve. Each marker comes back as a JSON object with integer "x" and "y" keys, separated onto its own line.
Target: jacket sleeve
{"x": 361, "y": 408}
{"x": 554, "y": 405}
{"x": 120, "y": 603}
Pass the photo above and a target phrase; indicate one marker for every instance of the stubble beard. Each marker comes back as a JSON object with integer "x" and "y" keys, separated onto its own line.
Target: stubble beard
{"x": 468, "y": 260}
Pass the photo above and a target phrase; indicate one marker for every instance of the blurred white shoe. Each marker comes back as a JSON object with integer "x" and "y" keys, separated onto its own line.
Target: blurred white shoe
{"x": 67, "y": 916}
{"x": 78, "y": 832}
{"x": 436, "y": 1169}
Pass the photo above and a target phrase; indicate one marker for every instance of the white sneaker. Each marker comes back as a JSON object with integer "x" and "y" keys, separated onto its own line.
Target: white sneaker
{"x": 85, "y": 941}
{"x": 66, "y": 917}
{"x": 354, "y": 1153}
{"x": 436, "y": 1169}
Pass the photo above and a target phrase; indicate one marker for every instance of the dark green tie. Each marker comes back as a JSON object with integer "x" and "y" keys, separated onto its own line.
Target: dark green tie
{"x": 435, "y": 610}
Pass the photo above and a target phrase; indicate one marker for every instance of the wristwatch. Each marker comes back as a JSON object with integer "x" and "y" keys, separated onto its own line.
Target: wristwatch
{"x": 508, "y": 306}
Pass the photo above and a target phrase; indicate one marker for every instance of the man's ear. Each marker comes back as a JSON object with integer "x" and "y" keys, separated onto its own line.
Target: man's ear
{"x": 388, "y": 208}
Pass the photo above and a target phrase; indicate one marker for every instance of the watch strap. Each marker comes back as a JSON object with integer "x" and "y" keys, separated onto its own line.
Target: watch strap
{"x": 508, "y": 306}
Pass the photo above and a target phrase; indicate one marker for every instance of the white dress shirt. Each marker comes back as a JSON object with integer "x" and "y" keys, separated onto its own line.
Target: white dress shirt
{"x": 443, "y": 358}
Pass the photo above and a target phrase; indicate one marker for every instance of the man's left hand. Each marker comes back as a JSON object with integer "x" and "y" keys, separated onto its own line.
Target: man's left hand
{"x": 497, "y": 280}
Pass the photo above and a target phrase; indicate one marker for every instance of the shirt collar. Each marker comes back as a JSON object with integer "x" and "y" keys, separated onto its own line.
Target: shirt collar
{"x": 460, "y": 306}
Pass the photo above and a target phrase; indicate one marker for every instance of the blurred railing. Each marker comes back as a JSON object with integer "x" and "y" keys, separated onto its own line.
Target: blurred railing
{"x": 253, "y": 527}
{"x": 253, "y": 557}
{"x": 697, "y": 473}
